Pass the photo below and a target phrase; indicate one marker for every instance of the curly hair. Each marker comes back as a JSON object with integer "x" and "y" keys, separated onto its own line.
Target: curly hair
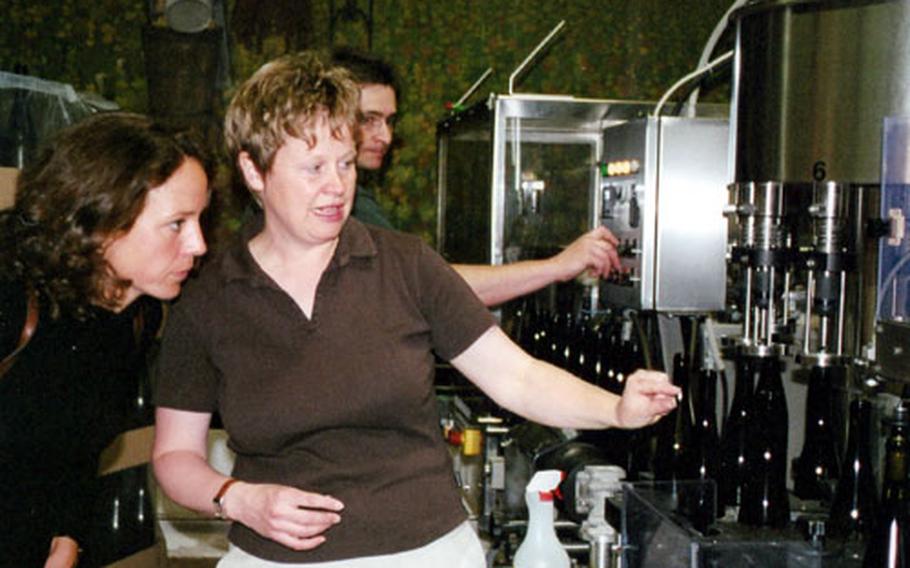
{"x": 86, "y": 185}
{"x": 284, "y": 98}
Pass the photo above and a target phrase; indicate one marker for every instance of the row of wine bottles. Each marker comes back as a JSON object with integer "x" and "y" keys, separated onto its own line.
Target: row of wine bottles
{"x": 600, "y": 350}
{"x": 751, "y": 469}
{"x": 748, "y": 461}
{"x": 123, "y": 518}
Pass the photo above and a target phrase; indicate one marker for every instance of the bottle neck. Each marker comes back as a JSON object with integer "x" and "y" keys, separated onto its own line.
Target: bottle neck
{"x": 895, "y": 488}
{"x": 769, "y": 377}
{"x": 860, "y": 422}
{"x": 540, "y": 514}
{"x": 745, "y": 379}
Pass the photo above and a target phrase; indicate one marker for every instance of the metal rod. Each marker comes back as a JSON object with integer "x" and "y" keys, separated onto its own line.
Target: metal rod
{"x": 533, "y": 54}
{"x": 516, "y": 162}
{"x": 747, "y": 309}
{"x": 786, "y": 317}
{"x": 810, "y": 293}
{"x": 773, "y": 298}
{"x": 474, "y": 87}
{"x": 823, "y": 334}
{"x": 840, "y": 312}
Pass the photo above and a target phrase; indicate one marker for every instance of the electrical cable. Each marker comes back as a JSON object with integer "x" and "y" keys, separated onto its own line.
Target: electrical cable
{"x": 715, "y": 36}
{"x": 691, "y": 76}
{"x": 886, "y": 283}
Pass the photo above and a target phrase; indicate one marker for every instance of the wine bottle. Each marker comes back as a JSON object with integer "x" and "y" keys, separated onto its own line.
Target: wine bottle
{"x": 888, "y": 545}
{"x": 855, "y": 504}
{"x": 587, "y": 358}
{"x": 578, "y": 348}
{"x": 609, "y": 357}
{"x": 539, "y": 330}
{"x": 673, "y": 460}
{"x": 733, "y": 463}
{"x": 554, "y": 334}
{"x": 707, "y": 441}
{"x": 122, "y": 521}
{"x": 701, "y": 506}
{"x": 765, "y": 501}
{"x": 818, "y": 466}
{"x": 520, "y": 324}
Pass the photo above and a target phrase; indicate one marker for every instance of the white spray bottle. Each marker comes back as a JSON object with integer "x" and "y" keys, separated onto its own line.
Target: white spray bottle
{"x": 541, "y": 548}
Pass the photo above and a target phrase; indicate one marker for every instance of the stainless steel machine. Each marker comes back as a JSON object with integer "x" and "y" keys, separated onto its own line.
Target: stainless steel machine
{"x": 782, "y": 219}
{"x": 809, "y": 109}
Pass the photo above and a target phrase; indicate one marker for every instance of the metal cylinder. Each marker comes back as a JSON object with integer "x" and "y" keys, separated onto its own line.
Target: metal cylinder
{"x": 814, "y": 81}
{"x": 830, "y": 217}
{"x": 601, "y": 554}
{"x": 759, "y": 209}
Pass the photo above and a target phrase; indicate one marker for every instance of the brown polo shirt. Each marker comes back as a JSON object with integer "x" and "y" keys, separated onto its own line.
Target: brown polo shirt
{"x": 342, "y": 403}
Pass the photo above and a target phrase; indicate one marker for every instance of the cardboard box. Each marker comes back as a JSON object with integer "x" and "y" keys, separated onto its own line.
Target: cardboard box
{"x": 130, "y": 449}
{"x": 7, "y": 186}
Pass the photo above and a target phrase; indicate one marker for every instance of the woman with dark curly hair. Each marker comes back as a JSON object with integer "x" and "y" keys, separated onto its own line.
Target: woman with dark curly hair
{"x": 104, "y": 226}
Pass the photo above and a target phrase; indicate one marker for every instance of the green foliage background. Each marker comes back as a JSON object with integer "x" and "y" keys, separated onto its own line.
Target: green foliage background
{"x": 630, "y": 49}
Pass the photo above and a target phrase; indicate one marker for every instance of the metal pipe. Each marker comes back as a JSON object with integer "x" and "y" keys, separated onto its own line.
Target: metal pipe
{"x": 533, "y": 54}
{"x": 810, "y": 293}
{"x": 771, "y": 300}
{"x": 786, "y": 316}
{"x": 823, "y": 334}
{"x": 601, "y": 554}
{"x": 474, "y": 87}
{"x": 747, "y": 309}
{"x": 842, "y": 299}
{"x": 697, "y": 74}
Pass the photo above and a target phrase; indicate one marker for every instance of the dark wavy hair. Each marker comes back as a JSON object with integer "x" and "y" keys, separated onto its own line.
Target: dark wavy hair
{"x": 366, "y": 69}
{"x": 87, "y": 184}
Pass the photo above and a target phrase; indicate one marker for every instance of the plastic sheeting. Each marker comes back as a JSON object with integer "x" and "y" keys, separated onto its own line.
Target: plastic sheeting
{"x": 32, "y": 109}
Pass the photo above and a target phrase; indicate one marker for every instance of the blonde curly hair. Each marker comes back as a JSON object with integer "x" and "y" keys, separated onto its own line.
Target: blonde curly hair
{"x": 284, "y": 98}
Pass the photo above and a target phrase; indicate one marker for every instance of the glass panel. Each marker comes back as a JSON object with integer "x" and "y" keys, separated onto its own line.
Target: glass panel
{"x": 893, "y": 298}
{"x": 548, "y": 183}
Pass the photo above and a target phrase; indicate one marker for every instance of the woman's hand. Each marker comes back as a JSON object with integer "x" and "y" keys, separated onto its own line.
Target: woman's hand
{"x": 64, "y": 553}
{"x": 647, "y": 396}
{"x": 297, "y": 519}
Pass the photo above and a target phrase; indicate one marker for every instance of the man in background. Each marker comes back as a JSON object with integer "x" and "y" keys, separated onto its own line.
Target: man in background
{"x": 594, "y": 252}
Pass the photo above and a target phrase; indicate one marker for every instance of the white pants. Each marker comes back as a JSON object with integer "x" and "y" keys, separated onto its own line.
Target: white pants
{"x": 459, "y": 548}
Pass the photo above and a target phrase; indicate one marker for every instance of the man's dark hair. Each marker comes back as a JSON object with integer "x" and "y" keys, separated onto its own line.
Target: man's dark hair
{"x": 366, "y": 69}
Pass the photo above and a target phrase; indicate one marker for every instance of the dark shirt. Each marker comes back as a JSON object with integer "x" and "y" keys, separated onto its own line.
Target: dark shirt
{"x": 341, "y": 403}
{"x": 71, "y": 391}
{"x": 367, "y": 209}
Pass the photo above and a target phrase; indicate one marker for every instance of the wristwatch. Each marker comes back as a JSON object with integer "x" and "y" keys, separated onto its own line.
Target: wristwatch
{"x": 218, "y": 500}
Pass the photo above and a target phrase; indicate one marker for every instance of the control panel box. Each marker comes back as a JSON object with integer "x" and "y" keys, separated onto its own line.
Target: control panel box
{"x": 662, "y": 193}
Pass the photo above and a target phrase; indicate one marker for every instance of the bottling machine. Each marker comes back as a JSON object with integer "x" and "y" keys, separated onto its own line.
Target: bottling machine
{"x": 780, "y": 219}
